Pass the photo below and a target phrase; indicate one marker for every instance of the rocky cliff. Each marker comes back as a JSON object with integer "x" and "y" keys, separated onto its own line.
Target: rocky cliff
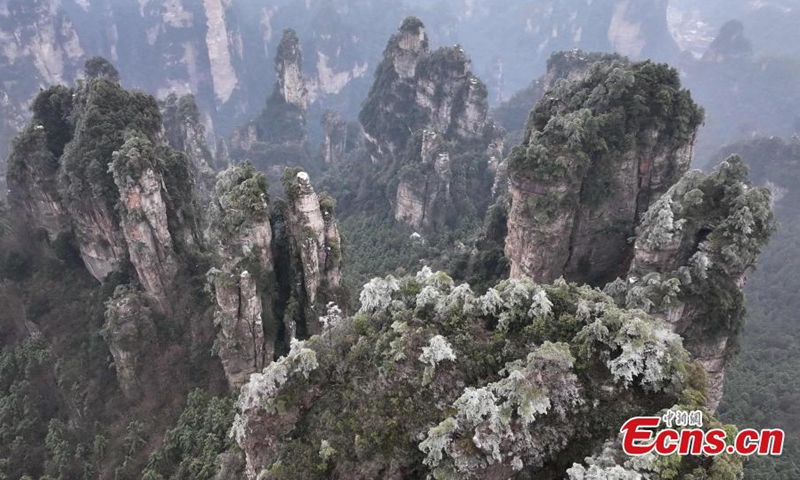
{"x": 521, "y": 382}
{"x": 340, "y": 137}
{"x": 589, "y": 166}
{"x": 92, "y": 168}
{"x": 277, "y": 137}
{"x": 692, "y": 250}
{"x": 241, "y": 236}
{"x": 222, "y": 50}
{"x": 130, "y": 334}
{"x": 103, "y": 198}
{"x": 427, "y": 131}
{"x": 315, "y": 235}
{"x": 289, "y": 264}
{"x": 185, "y": 132}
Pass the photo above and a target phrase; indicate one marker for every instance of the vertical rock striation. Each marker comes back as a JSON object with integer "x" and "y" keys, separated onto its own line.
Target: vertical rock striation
{"x": 276, "y": 138}
{"x": 692, "y": 250}
{"x": 588, "y": 168}
{"x": 315, "y": 236}
{"x": 427, "y": 131}
{"x": 241, "y": 237}
{"x": 144, "y": 222}
{"x": 130, "y": 334}
{"x": 340, "y": 137}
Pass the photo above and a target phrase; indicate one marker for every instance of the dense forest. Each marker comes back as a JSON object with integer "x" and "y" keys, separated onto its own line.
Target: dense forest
{"x": 390, "y": 265}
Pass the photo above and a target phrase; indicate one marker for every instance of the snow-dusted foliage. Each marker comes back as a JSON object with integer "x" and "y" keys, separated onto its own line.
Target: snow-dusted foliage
{"x": 438, "y": 350}
{"x": 262, "y": 388}
{"x": 652, "y": 290}
{"x": 636, "y": 350}
{"x": 522, "y": 300}
{"x": 377, "y": 294}
{"x": 700, "y": 263}
{"x": 495, "y": 385}
{"x": 606, "y": 466}
{"x": 490, "y": 303}
{"x": 500, "y": 418}
{"x": 659, "y": 225}
{"x": 332, "y": 318}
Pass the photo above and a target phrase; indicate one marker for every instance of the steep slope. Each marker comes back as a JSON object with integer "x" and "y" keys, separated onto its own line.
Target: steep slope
{"x": 596, "y": 152}
{"x": 431, "y": 379}
{"x": 428, "y": 135}
{"x": 277, "y": 138}
{"x": 692, "y": 250}
{"x": 109, "y": 263}
{"x": 222, "y": 51}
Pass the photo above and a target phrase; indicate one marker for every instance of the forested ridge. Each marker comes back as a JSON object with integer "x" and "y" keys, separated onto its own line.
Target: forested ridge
{"x": 438, "y": 286}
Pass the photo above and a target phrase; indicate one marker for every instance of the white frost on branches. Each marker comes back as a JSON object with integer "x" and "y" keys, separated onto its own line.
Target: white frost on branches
{"x": 377, "y": 294}
{"x": 438, "y": 350}
{"x": 262, "y": 388}
{"x": 499, "y": 417}
{"x": 332, "y": 318}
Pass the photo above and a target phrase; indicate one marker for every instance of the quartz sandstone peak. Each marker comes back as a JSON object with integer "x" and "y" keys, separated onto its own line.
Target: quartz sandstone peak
{"x": 588, "y": 169}
{"x": 315, "y": 235}
{"x": 425, "y": 122}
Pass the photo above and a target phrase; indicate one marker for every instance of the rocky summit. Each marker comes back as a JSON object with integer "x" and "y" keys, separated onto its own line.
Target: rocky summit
{"x": 327, "y": 240}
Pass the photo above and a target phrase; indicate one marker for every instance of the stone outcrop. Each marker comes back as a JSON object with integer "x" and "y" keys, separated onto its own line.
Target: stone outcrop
{"x": 315, "y": 236}
{"x": 290, "y": 264}
{"x": 105, "y": 174}
{"x": 144, "y": 222}
{"x": 186, "y": 133}
{"x": 130, "y": 334}
{"x": 100, "y": 240}
{"x": 241, "y": 344}
{"x": 692, "y": 252}
{"x": 291, "y": 84}
{"x": 276, "y": 138}
{"x": 340, "y": 137}
{"x": 426, "y": 123}
{"x": 731, "y": 44}
{"x": 240, "y": 235}
{"x": 587, "y": 171}
{"x": 32, "y": 183}
{"x": 420, "y": 196}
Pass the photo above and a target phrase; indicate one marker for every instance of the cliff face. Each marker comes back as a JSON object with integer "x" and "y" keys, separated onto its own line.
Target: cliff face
{"x": 315, "y": 236}
{"x": 277, "y": 137}
{"x": 185, "y": 132}
{"x": 144, "y": 222}
{"x": 692, "y": 251}
{"x": 241, "y": 236}
{"x": 222, "y": 50}
{"x": 97, "y": 163}
{"x": 340, "y": 137}
{"x": 289, "y": 264}
{"x": 425, "y": 123}
{"x": 92, "y": 162}
{"x": 32, "y": 182}
{"x": 130, "y": 334}
{"x": 587, "y": 170}
{"x": 522, "y": 382}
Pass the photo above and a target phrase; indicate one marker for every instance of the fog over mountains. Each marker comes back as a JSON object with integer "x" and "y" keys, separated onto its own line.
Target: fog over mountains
{"x": 356, "y": 239}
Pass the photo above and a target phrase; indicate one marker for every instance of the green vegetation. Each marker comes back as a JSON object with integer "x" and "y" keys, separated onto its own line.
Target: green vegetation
{"x": 581, "y": 127}
{"x": 190, "y": 449}
{"x": 762, "y": 388}
{"x": 108, "y": 113}
{"x": 405, "y": 384}
{"x": 241, "y": 198}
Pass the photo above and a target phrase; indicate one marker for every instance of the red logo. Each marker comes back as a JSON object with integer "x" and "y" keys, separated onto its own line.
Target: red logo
{"x": 640, "y": 436}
